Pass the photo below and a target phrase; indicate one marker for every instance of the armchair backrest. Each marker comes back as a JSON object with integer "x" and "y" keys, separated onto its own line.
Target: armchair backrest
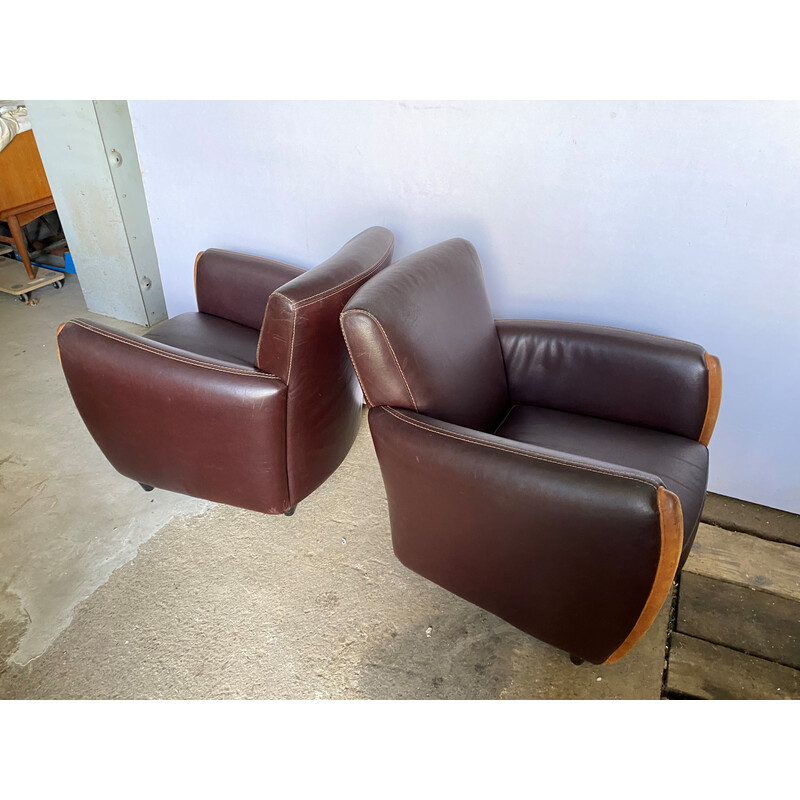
{"x": 422, "y": 336}
{"x": 301, "y": 344}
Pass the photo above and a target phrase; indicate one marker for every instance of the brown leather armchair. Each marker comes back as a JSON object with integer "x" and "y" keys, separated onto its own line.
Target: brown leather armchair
{"x": 552, "y": 473}
{"x": 250, "y": 401}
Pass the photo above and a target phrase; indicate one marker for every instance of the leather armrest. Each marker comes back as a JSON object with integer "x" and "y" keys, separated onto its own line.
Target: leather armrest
{"x": 615, "y": 374}
{"x": 179, "y": 421}
{"x": 236, "y": 286}
{"x": 575, "y": 552}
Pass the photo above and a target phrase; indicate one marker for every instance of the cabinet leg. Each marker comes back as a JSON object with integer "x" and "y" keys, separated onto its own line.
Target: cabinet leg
{"x": 22, "y": 246}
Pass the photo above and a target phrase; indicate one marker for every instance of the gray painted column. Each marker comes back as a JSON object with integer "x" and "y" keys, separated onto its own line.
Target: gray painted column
{"x": 90, "y": 158}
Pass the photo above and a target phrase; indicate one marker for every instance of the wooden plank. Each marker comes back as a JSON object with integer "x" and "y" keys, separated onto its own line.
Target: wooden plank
{"x": 712, "y": 672}
{"x": 739, "y": 515}
{"x": 746, "y": 560}
{"x": 759, "y": 623}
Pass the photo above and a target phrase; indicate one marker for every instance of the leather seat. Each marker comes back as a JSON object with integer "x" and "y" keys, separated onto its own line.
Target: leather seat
{"x": 250, "y": 401}
{"x": 209, "y": 336}
{"x": 552, "y": 473}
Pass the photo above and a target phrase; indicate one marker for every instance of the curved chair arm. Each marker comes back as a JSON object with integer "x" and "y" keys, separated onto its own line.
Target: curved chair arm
{"x": 615, "y": 374}
{"x": 179, "y": 421}
{"x": 236, "y": 286}
{"x": 575, "y": 552}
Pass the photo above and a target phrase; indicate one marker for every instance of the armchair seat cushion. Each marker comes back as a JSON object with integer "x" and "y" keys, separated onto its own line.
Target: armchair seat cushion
{"x": 209, "y": 336}
{"x": 681, "y": 463}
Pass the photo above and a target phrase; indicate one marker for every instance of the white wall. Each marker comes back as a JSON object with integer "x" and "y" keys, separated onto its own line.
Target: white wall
{"x": 681, "y": 219}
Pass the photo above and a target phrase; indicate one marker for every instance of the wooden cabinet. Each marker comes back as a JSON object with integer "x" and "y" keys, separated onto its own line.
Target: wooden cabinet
{"x": 24, "y": 191}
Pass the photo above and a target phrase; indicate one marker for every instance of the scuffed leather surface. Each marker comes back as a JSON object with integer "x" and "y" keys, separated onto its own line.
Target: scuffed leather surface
{"x": 422, "y": 337}
{"x": 208, "y": 336}
{"x": 179, "y": 421}
{"x": 236, "y": 286}
{"x": 302, "y": 343}
{"x": 680, "y": 463}
{"x": 615, "y": 374}
{"x": 567, "y": 552}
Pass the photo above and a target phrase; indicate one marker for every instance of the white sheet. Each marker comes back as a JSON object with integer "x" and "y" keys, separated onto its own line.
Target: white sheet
{"x": 13, "y": 120}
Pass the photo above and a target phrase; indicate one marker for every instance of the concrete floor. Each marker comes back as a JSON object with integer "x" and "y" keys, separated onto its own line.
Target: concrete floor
{"x": 109, "y": 592}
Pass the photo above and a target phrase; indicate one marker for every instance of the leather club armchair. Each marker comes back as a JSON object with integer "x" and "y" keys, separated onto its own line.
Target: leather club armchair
{"x": 552, "y": 473}
{"x": 250, "y": 401}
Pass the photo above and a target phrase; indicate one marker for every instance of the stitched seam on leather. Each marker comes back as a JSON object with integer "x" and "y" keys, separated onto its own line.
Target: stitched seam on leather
{"x": 470, "y": 440}
{"x": 349, "y": 282}
{"x": 321, "y": 296}
{"x": 291, "y": 345}
{"x": 328, "y": 292}
{"x": 264, "y": 324}
{"x": 181, "y": 359}
{"x": 350, "y": 353}
{"x": 391, "y": 350}
{"x": 260, "y": 334}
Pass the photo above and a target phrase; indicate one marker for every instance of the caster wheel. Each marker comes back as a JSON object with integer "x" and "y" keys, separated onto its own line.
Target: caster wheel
{"x": 24, "y": 297}
{"x": 58, "y": 284}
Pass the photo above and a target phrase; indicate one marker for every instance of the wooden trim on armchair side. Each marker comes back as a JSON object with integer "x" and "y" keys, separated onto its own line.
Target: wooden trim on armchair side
{"x": 714, "y": 398}
{"x": 58, "y": 349}
{"x": 671, "y": 524}
{"x": 196, "y": 260}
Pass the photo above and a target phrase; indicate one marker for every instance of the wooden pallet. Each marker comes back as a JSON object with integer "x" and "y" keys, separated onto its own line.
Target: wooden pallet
{"x": 14, "y": 280}
{"x": 737, "y": 627}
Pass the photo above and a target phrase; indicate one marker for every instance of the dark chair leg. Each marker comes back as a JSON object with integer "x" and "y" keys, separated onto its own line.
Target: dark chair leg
{"x": 289, "y": 511}
{"x": 576, "y": 660}
{"x": 146, "y": 487}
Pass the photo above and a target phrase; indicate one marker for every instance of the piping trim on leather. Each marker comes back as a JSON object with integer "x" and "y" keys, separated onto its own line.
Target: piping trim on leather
{"x": 355, "y": 367}
{"x": 391, "y": 349}
{"x": 291, "y": 345}
{"x": 295, "y": 305}
{"x": 260, "y": 334}
{"x": 327, "y": 292}
{"x": 266, "y": 307}
{"x": 184, "y": 360}
{"x": 399, "y": 415}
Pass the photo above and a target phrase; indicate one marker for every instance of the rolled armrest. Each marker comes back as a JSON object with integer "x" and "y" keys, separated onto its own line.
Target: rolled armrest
{"x": 637, "y": 378}
{"x": 575, "y": 552}
{"x": 169, "y": 418}
{"x": 236, "y": 286}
